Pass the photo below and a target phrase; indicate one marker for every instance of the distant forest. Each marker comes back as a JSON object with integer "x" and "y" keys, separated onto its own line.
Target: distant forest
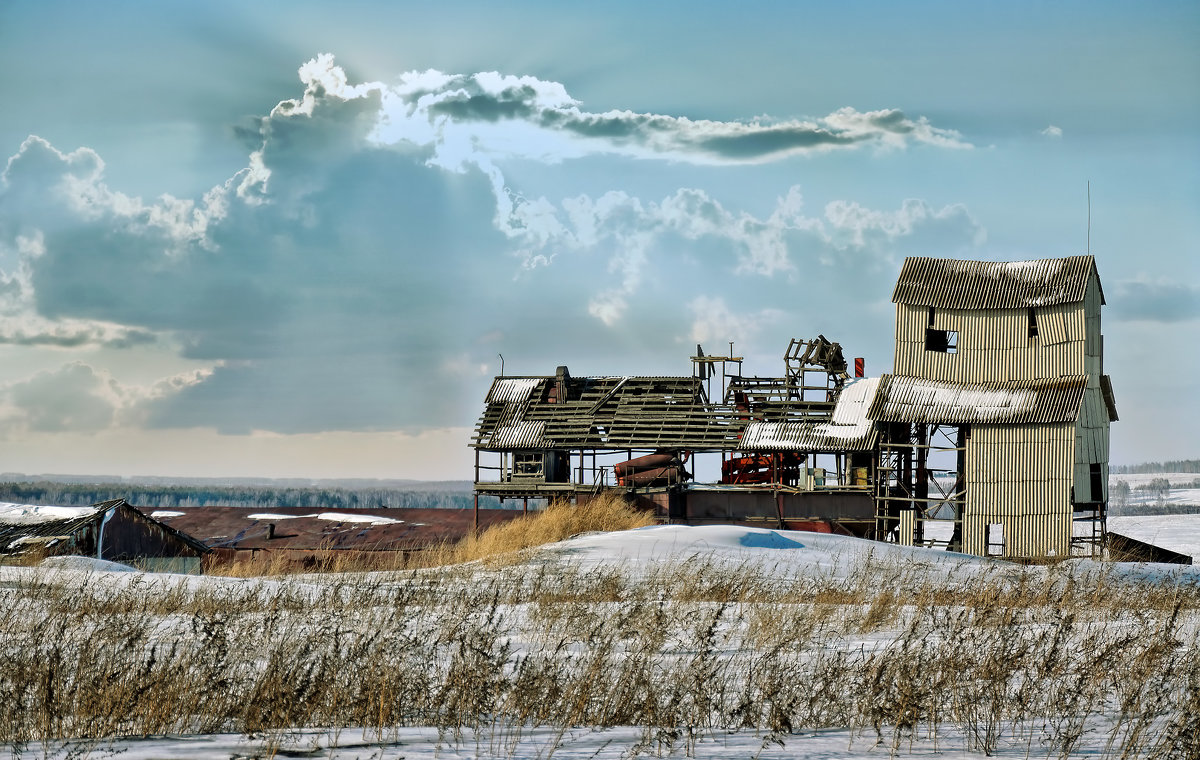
{"x": 1181, "y": 465}
{"x": 166, "y": 497}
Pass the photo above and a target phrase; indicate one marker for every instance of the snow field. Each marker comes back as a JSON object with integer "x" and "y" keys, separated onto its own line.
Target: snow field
{"x": 715, "y": 641}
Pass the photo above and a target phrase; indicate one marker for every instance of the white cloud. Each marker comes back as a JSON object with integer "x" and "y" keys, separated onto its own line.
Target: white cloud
{"x": 465, "y": 116}
{"x": 1052, "y": 131}
{"x": 82, "y": 398}
{"x": 773, "y": 246}
{"x": 333, "y": 282}
{"x": 714, "y": 322}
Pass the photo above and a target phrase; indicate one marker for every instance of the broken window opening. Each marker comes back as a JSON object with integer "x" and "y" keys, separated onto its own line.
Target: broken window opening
{"x": 1097, "y": 478}
{"x": 943, "y": 341}
{"x": 994, "y": 539}
{"x": 1033, "y": 327}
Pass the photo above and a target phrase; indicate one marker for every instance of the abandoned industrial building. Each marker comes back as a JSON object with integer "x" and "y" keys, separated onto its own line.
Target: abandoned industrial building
{"x": 990, "y": 436}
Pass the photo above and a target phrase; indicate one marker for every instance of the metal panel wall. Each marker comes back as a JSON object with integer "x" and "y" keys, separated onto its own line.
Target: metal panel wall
{"x": 1091, "y": 430}
{"x": 994, "y": 344}
{"x": 1020, "y": 477}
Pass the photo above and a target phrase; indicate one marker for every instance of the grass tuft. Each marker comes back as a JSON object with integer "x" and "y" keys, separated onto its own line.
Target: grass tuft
{"x": 557, "y": 522}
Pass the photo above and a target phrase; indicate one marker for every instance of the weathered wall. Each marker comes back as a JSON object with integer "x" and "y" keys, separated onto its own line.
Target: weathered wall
{"x": 1020, "y": 477}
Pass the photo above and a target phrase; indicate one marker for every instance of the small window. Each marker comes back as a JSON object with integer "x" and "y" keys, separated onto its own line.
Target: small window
{"x": 943, "y": 341}
{"x": 931, "y": 316}
{"x": 1033, "y": 330}
{"x": 1097, "y": 478}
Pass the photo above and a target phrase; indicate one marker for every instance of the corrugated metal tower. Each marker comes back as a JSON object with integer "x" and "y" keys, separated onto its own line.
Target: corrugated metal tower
{"x": 999, "y": 408}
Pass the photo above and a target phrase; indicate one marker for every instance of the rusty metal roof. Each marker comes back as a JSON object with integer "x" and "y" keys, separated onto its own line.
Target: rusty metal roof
{"x": 914, "y": 399}
{"x": 958, "y": 284}
{"x": 308, "y": 528}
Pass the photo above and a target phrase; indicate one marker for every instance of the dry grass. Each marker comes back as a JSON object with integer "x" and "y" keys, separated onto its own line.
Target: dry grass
{"x": 283, "y": 563}
{"x": 1044, "y": 658}
{"x": 557, "y": 522}
{"x": 498, "y": 544}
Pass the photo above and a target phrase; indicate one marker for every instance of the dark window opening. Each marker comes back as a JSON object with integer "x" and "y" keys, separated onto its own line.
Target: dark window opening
{"x": 1033, "y": 331}
{"x": 943, "y": 341}
{"x": 1097, "y": 482}
{"x": 931, "y": 316}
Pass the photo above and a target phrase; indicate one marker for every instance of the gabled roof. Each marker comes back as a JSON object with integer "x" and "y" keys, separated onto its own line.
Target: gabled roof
{"x": 957, "y": 284}
{"x": 915, "y": 399}
{"x": 25, "y": 525}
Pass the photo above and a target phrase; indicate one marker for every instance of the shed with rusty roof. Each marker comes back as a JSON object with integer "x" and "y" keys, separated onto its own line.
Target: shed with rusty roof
{"x": 110, "y": 530}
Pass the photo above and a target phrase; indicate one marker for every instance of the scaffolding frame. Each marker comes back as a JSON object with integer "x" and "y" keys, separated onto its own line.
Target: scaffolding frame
{"x": 910, "y": 490}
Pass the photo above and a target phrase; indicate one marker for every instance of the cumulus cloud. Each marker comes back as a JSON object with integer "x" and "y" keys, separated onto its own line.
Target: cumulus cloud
{"x": 351, "y": 276}
{"x": 78, "y": 397}
{"x": 1052, "y": 131}
{"x": 1154, "y": 301}
{"x": 533, "y": 118}
{"x": 845, "y": 232}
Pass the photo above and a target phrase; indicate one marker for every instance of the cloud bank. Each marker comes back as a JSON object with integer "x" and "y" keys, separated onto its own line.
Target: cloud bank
{"x": 364, "y": 268}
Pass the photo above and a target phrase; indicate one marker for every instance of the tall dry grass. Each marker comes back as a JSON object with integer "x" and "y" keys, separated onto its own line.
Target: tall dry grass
{"x": 557, "y": 522}
{"x": 1048, "y": 659}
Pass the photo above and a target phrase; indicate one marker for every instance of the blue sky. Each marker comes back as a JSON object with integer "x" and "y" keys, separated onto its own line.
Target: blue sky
{"x": 292, "y": 239}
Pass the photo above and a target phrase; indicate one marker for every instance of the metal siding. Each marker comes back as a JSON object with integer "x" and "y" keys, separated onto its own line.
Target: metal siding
{"x": 916, "y": 399}
{"x": 1019, "y": 476}
{"x": 953, "y": 283}
{"x": 1075, "y": 318}
{"x": 906, "y": 527}
{"x": 1052, "y": 329}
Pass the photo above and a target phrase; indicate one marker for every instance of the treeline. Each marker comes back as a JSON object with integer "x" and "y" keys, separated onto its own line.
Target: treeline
{"x": 1181, "y": 465}
{"x": 167, "y": 497}
{"x": 1151, "y": 508}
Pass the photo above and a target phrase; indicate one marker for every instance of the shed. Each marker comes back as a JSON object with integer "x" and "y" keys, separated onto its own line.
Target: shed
{"x": 110, "y": 530}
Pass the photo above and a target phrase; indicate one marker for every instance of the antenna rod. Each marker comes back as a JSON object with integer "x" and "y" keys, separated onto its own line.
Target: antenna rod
{"x": 501, "y": 364}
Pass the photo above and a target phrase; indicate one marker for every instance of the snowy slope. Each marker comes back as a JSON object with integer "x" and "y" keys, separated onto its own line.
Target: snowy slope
{"x": 635, "y": 553}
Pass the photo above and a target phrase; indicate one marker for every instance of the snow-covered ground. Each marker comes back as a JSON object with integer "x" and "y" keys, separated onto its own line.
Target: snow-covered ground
{"x": 819, "y": 560}
{"x": 1179, "y": 533}
{"x": 617, "y": 743}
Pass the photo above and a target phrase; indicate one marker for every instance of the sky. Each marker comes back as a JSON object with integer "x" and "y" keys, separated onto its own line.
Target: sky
{"x": 295, "y": 239}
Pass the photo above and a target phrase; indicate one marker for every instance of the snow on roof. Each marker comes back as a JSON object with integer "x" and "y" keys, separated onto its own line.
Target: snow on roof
{"x": 915, "y": 399}
{"x": 332, "y": 516}
{"x": 849, "y": 428}
{"x": 32, "y": 514}
{"x": 958, "y": 284}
